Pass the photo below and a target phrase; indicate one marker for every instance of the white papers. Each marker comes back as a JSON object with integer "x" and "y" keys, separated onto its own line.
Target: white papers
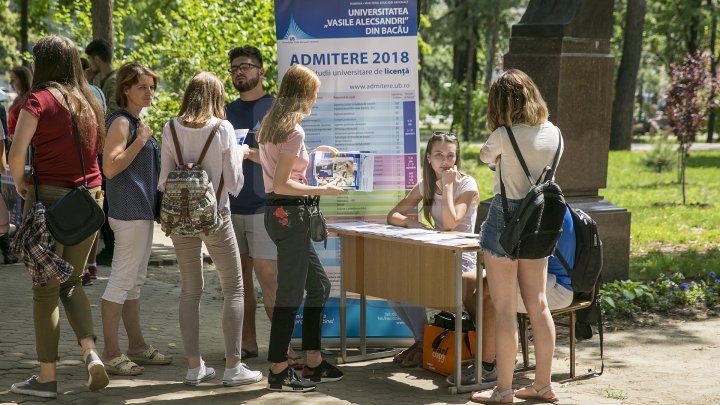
{"x": 420, "y": 235}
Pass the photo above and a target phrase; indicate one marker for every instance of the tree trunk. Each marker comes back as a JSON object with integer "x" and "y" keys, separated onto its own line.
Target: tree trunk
{"x": 24, "y": 27}
{"x": 713, "y": 71}
{"x": 102, "y": 25}
{"x": 625, "y": 84}
{"x": 491, "y": 36}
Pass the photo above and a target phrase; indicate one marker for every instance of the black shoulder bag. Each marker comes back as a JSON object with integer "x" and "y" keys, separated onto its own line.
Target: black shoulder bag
{"x": 318, "y": 227}
{"x": 76, "y": 216}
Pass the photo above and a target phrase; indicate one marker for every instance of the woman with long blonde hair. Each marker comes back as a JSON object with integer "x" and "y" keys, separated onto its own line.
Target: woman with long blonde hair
{"x": 284, "y": 160}
{"x": 202, "y": 115}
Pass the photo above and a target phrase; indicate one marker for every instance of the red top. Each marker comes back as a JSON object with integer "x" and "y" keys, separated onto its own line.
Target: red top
{"x": 12, "y": 116}
{"x": 56, "y": 158}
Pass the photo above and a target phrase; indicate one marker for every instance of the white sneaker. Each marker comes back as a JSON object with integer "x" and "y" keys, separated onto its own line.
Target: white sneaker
{"x": 240, "y": 375}
{"x": 199, "y": 374}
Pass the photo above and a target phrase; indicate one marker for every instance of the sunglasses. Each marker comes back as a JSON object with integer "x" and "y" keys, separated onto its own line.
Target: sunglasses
{"x": 449, "y": 135}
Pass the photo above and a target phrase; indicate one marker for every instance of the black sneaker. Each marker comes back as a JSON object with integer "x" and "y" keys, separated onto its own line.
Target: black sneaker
{"x": 34, "y": 387}
{"x": 288, "y": 380}
{"x": 324, "y": 372}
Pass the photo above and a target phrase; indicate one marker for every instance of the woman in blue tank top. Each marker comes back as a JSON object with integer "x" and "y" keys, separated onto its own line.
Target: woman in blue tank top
{"x": 131, "y": 166}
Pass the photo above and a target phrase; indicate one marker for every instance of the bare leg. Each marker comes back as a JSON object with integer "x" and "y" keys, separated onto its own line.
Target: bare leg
{"x": 266, "y": 273}
{"x": 131, "y": 320}
{"x": 532, "y": 276}
{"x": 249, "y": 335}
{"x": 488, "y": 315}
{"x": 502, "y": 280}
{"x": 111, "y": 314}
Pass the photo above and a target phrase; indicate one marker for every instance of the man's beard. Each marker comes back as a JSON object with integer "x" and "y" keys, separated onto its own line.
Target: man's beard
{"x": 248, "y": 85}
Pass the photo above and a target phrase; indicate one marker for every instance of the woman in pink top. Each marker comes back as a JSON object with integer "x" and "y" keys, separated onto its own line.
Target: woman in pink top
{"x": 284, "y": 160}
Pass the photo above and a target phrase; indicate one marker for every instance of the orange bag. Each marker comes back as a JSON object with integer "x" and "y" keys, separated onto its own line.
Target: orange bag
{"x": 439, "y": 349}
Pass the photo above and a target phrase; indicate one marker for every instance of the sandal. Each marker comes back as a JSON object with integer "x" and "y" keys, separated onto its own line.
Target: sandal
{"x": 122, "y": 365}
{"x": 413, "y": 358}
{"x": 496, "y": 396}
{"x": 401, "y": 356}
{"x": 247, "y": 354}
{"x": 150, "y": 356}
{"x": 530, "y": 392}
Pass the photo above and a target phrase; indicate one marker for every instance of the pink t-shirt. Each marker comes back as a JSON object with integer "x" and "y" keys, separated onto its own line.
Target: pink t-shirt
{"x": 270, "y": 155}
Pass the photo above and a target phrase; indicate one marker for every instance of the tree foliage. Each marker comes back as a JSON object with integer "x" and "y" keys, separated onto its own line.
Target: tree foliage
{"x": 9, "y": 55}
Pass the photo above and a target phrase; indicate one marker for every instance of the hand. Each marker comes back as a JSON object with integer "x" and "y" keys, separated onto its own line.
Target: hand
{"x": 450, "y": 176}
{"x": 245, "y": 151}
{"x": 326, "y": 148}
{"x": 333, "y": 189}
{"x": 143, "y": 132}
{"x": 21, "y": 189}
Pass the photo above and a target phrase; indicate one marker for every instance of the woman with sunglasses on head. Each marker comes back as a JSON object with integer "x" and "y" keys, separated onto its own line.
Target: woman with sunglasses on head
{"x": 449, "y": 203}
{"x": 59, "y": 96}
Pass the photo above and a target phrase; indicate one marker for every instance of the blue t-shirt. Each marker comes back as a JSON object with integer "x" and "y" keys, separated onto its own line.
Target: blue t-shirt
{"x": 566, "y": 246}
{"x": 247, "y": 115}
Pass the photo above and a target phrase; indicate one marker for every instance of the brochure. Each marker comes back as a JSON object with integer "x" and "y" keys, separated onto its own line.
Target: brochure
{"x": 354, "y": 169}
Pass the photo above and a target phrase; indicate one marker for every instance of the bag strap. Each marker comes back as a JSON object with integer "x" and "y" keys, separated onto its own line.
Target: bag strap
{"x": 76, "y": 135}
{"x": 178, "y": 155}
{"x": 210, "y": 138}
{"x": 208, "y": 142}
{"x": 548, "y": 172}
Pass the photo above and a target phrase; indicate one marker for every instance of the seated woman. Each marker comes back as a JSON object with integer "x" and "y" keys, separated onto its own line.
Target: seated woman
{"x": 442, "y": 182}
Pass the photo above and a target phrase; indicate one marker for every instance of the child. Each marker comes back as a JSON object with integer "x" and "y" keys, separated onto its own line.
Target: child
{"x": 442, "y": 183}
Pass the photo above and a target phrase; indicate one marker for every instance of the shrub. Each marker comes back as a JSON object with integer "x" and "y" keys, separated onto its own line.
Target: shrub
{"x": 663, "y": 155}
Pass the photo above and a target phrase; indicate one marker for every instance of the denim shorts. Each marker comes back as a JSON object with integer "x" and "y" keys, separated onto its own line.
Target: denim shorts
{"x": 494, "y": 225}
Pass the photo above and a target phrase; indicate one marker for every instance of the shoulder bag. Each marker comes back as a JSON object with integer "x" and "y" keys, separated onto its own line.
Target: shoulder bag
{"x": 76, "y": 216}
{"x": 318, "y": 227}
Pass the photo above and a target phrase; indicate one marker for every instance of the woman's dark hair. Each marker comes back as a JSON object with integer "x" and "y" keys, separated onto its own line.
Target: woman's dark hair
{"x": 25, "y": 77}
{"x": 57, "y": 65}
{"x": 429, "y": 177}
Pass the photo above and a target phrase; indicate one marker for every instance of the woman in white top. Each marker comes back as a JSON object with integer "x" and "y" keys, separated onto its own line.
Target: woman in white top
{"x": 202, "y": 108}
{"x": 442, "y": 182}
{"x": 514, "y": 101}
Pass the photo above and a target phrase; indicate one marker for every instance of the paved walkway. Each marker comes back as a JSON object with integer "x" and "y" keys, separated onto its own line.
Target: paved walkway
{"x": 377, "y": 382}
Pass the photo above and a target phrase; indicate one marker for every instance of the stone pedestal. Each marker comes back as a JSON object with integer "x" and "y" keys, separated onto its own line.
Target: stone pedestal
{"x": 564, "y": 45}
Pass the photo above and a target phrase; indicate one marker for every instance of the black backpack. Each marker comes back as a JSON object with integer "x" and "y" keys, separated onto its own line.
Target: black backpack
{"x": 534, "y": 230}
{"x": 588, "y": 253}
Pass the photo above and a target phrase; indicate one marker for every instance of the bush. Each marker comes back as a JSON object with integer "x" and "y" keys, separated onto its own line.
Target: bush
{"x": 628, "y": 298}
{"x": 663, "y": 155}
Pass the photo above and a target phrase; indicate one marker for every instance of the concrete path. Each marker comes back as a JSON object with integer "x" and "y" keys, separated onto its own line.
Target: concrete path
{"x": 643, "y": 366}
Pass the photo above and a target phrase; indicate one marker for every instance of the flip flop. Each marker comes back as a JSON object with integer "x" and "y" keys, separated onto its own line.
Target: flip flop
{"x": 247, "y": 354}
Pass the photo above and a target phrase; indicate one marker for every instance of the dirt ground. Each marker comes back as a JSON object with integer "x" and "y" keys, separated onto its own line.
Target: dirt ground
{"x": 655, "y": 360}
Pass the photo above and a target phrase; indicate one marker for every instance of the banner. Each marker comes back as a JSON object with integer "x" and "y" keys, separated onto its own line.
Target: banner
{"x": 366, "y": 55}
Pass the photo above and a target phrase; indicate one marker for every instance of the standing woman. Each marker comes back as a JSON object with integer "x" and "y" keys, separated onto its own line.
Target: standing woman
{"x": 21, "y": 78}
{"x": 132, "y": 169}
{"x": 45, "y": 121}
{"x": 202, "y": 114}
{"x": 515, "y": 102}
{"x": 284, "y": 160}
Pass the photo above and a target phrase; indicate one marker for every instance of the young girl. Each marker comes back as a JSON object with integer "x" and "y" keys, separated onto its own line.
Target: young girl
{"x": 515, "y": 102}
{"x": 284, "y": 160}
{"x": 449, "y": 200}
{"x": 202, "y": 114}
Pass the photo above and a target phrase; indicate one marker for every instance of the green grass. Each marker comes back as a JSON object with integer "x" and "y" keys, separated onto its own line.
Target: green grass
{"x": 666, "y": 237}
